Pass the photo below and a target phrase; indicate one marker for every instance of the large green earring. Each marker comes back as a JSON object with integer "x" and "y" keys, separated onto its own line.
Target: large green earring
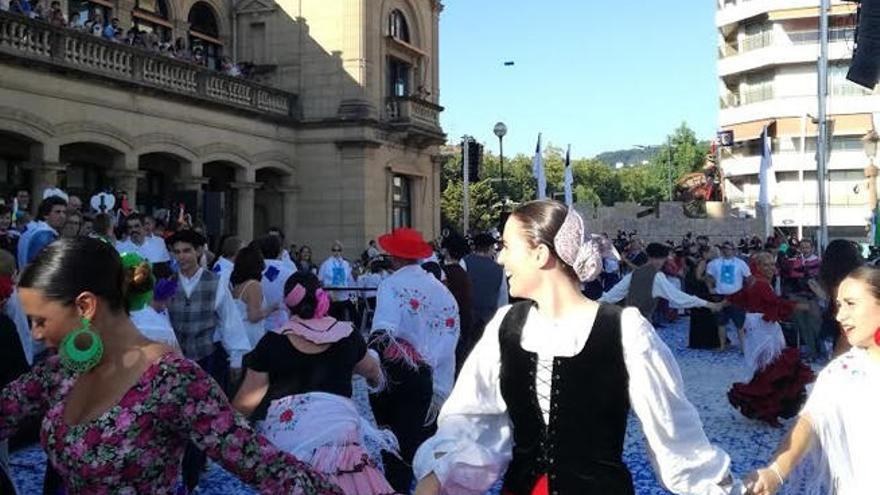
{"x": 81, "y": 360}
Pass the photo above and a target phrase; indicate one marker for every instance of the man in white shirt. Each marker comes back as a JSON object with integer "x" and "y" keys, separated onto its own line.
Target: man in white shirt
{"x": 336, "y": 272}
{"x": 729, "y": 274}
{"x": 415, "y": 331}
{"x": 152, "y": 249}
{"x": 642, "y": 287}
{"x": 275, "y": 275}
{"x": 207, "y": 326}
{"x": 226, "y": 262}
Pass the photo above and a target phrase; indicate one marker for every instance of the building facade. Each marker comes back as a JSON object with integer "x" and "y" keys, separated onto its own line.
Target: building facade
{"x": 333, "y": 133}
{"x": 767, "y": 76}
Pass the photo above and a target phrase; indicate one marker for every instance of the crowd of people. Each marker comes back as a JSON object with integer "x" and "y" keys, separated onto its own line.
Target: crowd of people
{"x": 109, "y": 28}
{"x": 137, "y": 348}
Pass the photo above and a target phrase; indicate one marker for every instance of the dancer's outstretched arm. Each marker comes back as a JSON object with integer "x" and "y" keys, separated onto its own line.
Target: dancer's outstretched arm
{"x": 791, "y": 450}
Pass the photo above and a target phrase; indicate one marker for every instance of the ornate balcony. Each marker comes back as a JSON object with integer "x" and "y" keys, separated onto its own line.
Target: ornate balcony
{"x": 417, "y": 116}
{"x": 30, "y": 41}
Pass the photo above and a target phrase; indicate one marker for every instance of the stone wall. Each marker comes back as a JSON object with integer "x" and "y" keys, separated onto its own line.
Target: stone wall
{"x": 720, "y": 224}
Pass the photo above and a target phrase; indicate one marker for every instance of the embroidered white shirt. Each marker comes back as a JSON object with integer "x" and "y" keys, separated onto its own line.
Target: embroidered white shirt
{"x": 413, "y": 305}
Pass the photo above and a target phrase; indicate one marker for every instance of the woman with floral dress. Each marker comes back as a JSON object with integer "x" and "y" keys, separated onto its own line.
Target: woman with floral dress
{"x": 118, "y": 409}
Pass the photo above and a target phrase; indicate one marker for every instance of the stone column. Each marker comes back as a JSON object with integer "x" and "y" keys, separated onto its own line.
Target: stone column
{"x": 44, "y": 176}
{"x": 245, "y": 208}
{"x": 126, "y": 181}
{"x": 289, "y": 197}
{"x": 44, "y": 165}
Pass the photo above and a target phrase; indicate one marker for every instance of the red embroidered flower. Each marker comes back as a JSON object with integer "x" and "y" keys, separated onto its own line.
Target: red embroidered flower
{"x": 286, "y": 416}
{"x": 450, "y": 322}
{"x": 414, "y": 304}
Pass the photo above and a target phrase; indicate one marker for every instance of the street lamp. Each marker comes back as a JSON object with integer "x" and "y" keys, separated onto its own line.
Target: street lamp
{"x": 500, "y": 130}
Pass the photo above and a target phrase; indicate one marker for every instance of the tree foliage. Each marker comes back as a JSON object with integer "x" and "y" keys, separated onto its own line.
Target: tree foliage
{"x": 595, "y": 182}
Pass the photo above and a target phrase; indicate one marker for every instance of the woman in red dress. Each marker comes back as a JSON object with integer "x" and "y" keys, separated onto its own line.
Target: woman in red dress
{"x": 777, "y": 388}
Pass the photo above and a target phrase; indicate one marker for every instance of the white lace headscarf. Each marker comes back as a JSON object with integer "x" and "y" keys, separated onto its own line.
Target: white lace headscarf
{"x": 577, "y": 249}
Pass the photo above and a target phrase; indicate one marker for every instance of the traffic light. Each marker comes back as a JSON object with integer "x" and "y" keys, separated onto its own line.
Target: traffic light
{"x": 475, "y": 158}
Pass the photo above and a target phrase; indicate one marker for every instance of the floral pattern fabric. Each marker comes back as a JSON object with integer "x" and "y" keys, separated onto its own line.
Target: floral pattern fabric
{"x": 136, "y": 446}
{"x": 415, "y": 307}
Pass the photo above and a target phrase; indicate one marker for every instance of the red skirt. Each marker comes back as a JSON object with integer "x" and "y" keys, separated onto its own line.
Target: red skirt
{"x": 778, "y": 390}
{"x": 541, "y": 487}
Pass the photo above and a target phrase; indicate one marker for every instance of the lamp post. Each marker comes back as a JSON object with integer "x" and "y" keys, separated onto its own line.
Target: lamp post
{"x": 870, "y": 141}
{"x": 500, "y": 130}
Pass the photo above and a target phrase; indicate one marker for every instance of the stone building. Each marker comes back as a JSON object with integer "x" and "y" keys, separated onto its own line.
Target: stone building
{"x": 334, "y": 134}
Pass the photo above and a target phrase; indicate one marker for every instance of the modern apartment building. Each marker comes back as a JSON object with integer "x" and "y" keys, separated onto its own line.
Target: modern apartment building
{"x": 332, "y": 134}
{"x": 767, "y": 75}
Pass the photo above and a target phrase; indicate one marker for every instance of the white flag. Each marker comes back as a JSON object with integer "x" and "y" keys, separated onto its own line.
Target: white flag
{"x": 538, "y": 170}
{"x": 767, "y": 177}
{"x": 767, "y": 183}
{"x": 569, "y": 178}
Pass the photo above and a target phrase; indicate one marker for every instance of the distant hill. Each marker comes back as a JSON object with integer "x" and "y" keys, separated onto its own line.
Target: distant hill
{"x": 632, "y": 156}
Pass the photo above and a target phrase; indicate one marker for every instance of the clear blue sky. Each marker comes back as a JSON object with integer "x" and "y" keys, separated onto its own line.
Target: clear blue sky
{"x": 599, "y": 75}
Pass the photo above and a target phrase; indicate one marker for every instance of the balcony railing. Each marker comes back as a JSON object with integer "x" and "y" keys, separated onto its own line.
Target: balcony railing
{"x": 73, "y": 50}
{"x": 811, "y": 37}
{"x": 413, "y": 111}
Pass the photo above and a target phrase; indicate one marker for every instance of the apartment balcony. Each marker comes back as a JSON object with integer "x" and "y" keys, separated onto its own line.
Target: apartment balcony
{"x": 734, "y": 112}
{"x": 797, "y": 48}
{"x": 735, "y": 11}
{"x": 841, "y": 214}
{"x": 793, "y": 161}
{"x": 29, "y": 42}
{"x": 418, "y": 118}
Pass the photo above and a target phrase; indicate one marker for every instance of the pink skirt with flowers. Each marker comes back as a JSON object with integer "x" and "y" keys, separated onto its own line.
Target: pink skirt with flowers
{"x": 326, "y": 431}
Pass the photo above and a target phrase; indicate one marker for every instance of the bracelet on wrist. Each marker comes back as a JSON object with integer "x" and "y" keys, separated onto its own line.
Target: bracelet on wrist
{"x": 775, "y": 469}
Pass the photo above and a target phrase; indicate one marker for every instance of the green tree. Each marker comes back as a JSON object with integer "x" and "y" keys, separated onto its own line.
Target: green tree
{"x": 681, "y": 154}
{"x": 594, "y": 181}
{"x": 485, "y": 205}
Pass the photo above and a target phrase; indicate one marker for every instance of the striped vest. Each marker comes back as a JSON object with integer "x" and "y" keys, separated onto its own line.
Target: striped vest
{"x": 194, "y": 318}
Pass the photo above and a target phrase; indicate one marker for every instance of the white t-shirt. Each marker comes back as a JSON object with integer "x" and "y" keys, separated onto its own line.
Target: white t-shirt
{"x": 729, "y": 274}
{"x": 154, "y": 325}
{"x": 153, "y": 249}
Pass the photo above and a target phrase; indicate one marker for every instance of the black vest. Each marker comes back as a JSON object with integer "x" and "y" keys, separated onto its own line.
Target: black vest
{"x": 581, "y": 450}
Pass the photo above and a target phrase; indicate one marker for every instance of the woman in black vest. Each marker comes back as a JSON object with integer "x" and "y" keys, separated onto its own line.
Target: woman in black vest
{"x": 544, "y": 396}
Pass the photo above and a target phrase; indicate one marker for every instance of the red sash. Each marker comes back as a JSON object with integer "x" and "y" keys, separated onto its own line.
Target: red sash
{"x": 540, "y": 488}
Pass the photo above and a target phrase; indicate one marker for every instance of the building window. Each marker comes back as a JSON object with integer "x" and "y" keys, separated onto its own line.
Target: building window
{"x": 756, "y": 87}
{"x": 151, "y": 16}
{"x": 757, "y": 35}
{"x": 397, "y": 26}
{"x": 401, "y": 202}
{"x": 85, "y": 11}
{"x": 398, "y": 77}
{"x": 204, "y": 36}
{"x": 839, "y": 85}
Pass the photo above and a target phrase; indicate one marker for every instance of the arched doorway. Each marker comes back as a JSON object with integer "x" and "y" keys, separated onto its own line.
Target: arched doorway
{"x": 156, "y": 186}
{"x": 86, "y": 167}
{"x": 268, "y": 201}
{"x": 15, "y": 154}
{"x": 219, "y": 198}
{"x": 204, "y": 35}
